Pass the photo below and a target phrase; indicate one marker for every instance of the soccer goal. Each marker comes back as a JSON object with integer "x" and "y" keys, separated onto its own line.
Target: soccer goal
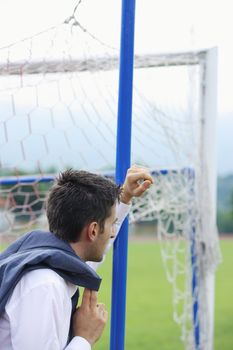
{"x": 58, "y": 101}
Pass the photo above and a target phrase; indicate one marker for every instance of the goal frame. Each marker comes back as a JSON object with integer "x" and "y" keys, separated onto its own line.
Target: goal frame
{"x": 207, "y": 59}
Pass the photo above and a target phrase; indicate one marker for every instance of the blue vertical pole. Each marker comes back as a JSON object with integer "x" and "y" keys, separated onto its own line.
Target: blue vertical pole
{"x": 194, "y": 269}
{"x": 122, "y": 164}
{"x": 196, "y": 323}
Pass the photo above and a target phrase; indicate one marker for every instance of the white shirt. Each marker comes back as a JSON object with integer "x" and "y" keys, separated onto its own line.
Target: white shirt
{"x": 37, "y": 315}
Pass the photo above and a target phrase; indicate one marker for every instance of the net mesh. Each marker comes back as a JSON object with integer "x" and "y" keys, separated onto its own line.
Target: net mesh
{"x": 187, "y": 255}
{"x": 58, "y": 93}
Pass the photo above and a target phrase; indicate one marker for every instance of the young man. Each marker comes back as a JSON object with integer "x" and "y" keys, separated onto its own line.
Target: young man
{"x": 40, "y": 273}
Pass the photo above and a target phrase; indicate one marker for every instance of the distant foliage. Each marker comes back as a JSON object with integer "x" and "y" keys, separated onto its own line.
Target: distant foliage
{"x": 225, "y": 222}
{"x": 225, "y": 204}
{"x": 224, "y": 192}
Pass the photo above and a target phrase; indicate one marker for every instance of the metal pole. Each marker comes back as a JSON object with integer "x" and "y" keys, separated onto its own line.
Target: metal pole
{"x": 122, "y": 164}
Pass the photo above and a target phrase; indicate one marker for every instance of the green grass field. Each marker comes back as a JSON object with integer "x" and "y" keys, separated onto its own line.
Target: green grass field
{"x": 149, "y": 323}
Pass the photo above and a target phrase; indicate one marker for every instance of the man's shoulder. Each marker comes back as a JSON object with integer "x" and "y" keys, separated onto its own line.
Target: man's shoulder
{"x": 41, "y": 278}
{"x": 33, "y": 282}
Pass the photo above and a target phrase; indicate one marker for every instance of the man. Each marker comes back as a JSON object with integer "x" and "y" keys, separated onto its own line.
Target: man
{"x": 40, "y": 272}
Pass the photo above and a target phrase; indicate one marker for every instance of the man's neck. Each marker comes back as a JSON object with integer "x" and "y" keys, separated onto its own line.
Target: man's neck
{"x": 79, "y": 249}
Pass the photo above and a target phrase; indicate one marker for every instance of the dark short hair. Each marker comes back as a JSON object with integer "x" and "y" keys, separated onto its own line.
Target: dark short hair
{"x": 77, "y": 199}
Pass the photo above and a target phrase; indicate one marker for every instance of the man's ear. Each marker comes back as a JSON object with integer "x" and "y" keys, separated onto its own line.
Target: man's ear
{"x": 92, "y": 231}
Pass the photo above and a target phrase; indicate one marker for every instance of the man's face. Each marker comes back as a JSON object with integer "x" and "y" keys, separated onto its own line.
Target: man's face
{"x": 104, "y": 236}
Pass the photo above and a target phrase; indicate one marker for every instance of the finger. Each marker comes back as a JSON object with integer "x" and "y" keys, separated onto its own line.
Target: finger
{"x": 86, "y": 300}
{"x": 101, "y": 306}
{"x": 93, "y": 298}
{"x": 105, "y": 315}
{"x": 146, "y": 184}
{"x": 134, "y": 177}
{"x": 102, "y": 311}
{"x": 142, "y": 188}
{"x": 136, "y": 168}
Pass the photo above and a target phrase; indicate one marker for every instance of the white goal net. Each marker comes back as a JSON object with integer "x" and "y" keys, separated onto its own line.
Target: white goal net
{"x": 58, "y": 109}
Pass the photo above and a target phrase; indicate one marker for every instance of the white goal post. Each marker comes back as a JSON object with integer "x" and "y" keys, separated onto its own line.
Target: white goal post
{"x": 205, "y": 254}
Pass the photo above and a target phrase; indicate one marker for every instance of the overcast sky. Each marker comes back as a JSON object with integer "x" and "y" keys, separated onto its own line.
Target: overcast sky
{"x": 161, "y": 26}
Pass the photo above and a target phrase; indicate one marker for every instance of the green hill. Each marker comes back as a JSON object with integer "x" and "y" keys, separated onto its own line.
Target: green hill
{"x": 225, "y": 192}
{"x": 225, "y": 204}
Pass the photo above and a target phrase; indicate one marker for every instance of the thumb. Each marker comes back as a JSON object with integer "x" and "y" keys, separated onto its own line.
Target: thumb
{"x": 142, "y": 188}
{"x": 146, "y": 184}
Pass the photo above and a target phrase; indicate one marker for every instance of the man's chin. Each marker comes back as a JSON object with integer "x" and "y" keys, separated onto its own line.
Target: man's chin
{"x": 96, "y": 259}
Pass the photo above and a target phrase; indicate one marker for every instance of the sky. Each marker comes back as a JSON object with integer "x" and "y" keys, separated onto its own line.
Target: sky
{"x": 161, "y": 26}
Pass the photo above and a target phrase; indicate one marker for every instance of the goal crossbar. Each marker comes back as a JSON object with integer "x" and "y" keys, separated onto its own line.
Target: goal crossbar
{"x": 101, "y": 63}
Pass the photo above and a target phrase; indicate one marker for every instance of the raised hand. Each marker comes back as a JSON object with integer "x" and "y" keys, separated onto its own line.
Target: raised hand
{"x": 137, "y": 181}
